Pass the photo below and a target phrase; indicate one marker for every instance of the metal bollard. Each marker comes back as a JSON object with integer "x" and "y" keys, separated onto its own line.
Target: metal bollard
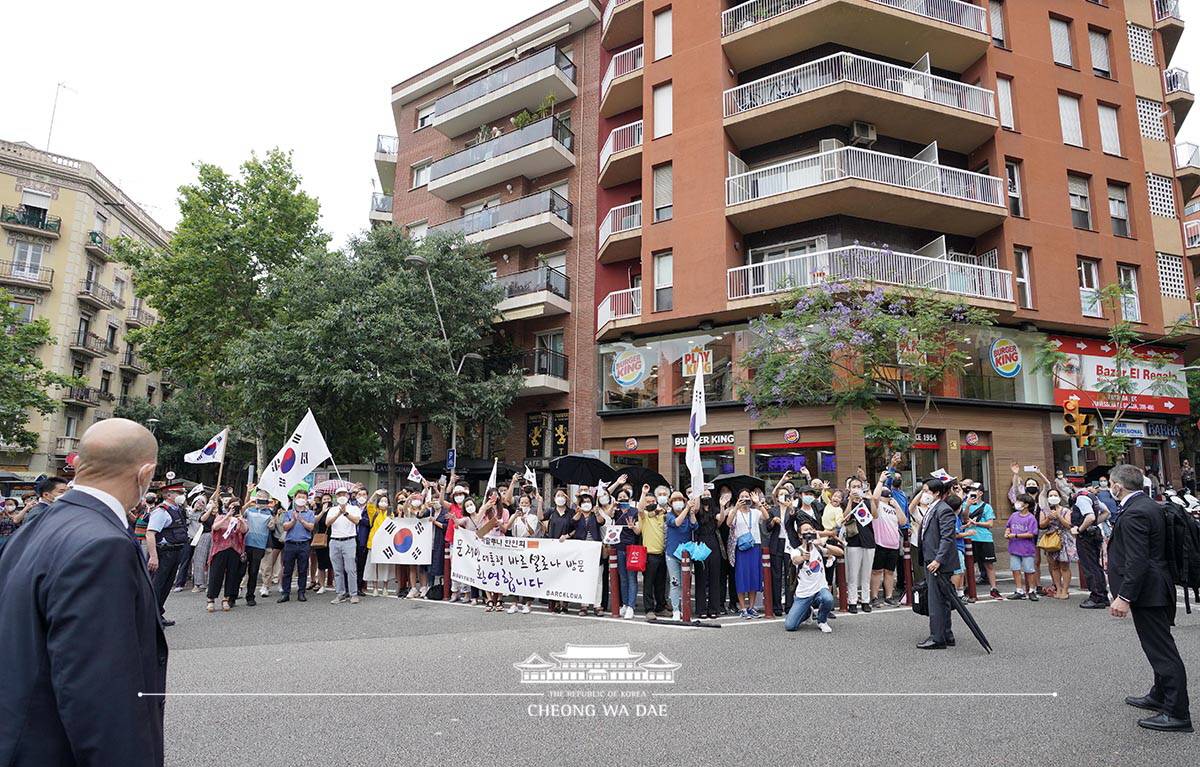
{"x": 614, "y": 584}
{"x": 766, "y": 567}
{"x": 969, "y": 571}
{"x": 685, "y": 587}
{"x": 839, "y": 570}
{"x": 908, "y": 575}
{"x": 445, "y": 579}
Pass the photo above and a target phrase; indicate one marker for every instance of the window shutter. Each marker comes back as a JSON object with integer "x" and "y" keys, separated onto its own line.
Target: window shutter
{"x": 662, "y": 186}
{"x": 35, "y": 199}
{"x": 1099, "y": 43}
{"x": 1004, "y": 96}
{"x": 1078, "y": 185}
{"x": 663, "y": 118}
{"x": 996, "y": 14}
{"x": 1060, "y": 42}
{"x": 1110, "y": 137}
{"x": 1068, "y": 114}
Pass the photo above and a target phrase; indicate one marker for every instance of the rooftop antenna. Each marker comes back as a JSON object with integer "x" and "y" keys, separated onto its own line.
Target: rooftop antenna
{"x": 61, "y": 87}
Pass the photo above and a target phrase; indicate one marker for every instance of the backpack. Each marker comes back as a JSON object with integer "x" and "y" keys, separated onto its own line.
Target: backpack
{"x": 1182, "y": 540}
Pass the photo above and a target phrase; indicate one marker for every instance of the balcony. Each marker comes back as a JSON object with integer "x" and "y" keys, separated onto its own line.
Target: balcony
{"x": 97, "y": 244}
{"x": 540, "y": 292}
{"x": 22, "y": 274}
{"x": 954, "y": 32}
{"x": 96, "y": 295}
{"x": 18, "y": 218}
{"x": 1178, "y": 90}
{"x": 520, "y": 85}
{"x": 65, "y": 445}
{"x": 545, "y": 372}
{"x": 865, "y": 184}
{"x": 619, "y": 309}
{"x": 84, "y": 396}
{"x": 381, "y": 208}
{"x": 533, "y": 151}
{"x": 1169, "y": 23}
{"x": 756, "y": 285}
{"x": 386, "y": 150}
{"x": 1187, "y": 168}
{"x": 1191, "y": 235}
{"x": 132, "y": 363}
{"x": 621, "y": 156}
{"x": 621, "y": 88}
{"x": 140, "y": 317}
{"x": 620, "y": 235}
{"x": 527, "y": 222}
{"x": 621, "y": 23}
{"x": 88, "y": 344}
{"x": 839, "y": 89}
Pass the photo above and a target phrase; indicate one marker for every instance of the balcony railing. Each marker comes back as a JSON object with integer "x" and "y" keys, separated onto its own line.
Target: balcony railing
{"x": 535, "y": 281}
{"x": 133, "y": 362}
{"x": 64, "y": 445}
{"x": 619, "y": 305}
{"x": 620, "y": 140}
{"x": 26, "y": 272}
{"x": 623, "y": 218}
{"x": 543, "y": 362}
{"x": 1167, "y": 9}
{"x": 97, "y": 291}
{"x": 381, "y": 203}
{"x": 89, "y": 342}
{"x": 34, "y": 218}
{"x": 622, "y": 64}
{"x": 502, "y": 77}
{"x": 851, "y": 68}
{"x": 97, "y": 240}
{"x": 142, "y": 316}
{"x": 84, "y": 395}
{"x": 1187, "y": 155}
{"x": 858, "y": 263}
{"x": 1176, "y": 81}
{"x": 866, "y": 165}
{"x": 609, "y": 10}
{"x": 547, "y": 201}
{"x": 1191, "y": 232}
{"x": 388, "y": 145}
{"x": 956, "y": 12}
{"x": 550, "y": 127}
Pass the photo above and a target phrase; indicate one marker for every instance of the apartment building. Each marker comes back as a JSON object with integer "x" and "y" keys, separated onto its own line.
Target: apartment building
{"x": 58, "y": 217}
{"x": 1016, "y": 155}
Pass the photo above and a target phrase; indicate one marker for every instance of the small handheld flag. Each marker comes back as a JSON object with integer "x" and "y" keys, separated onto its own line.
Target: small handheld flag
{"x": 415, "y": 476}
{"x": 213, "y": 452}
{"x": 530, "y": 477}
{"x": 492, "y": 479}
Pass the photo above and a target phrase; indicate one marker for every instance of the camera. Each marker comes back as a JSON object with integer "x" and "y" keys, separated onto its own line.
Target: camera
{"x": 810, "y": 537}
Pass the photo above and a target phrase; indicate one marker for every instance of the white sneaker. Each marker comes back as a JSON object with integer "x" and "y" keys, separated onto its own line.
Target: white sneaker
{"x": 627, "y": 612}
{"x": 524, "y": 608}
{"x": 825, "y": 628}
{"x": 338, "y": 600}
{"x": 512, "y": 609}
{"x": 321, "y": 589}
{"x": 412, "y": 593}
{"x": 176, "y": 589}
{"x": 676, "y": 616}
{"x": 264, "y": 592}
{"x": 421, "y": 594}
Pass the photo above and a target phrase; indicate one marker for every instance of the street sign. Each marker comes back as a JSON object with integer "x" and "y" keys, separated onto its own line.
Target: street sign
{"x": 451, "y": 456}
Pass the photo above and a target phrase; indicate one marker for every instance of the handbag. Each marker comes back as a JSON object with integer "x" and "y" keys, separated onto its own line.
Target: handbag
{"x": 920, "y": 594}
{"x": 745, "y": 541}
{"x": 320, "y": 540}
{"x": 1050, "y": 541}
{"x": 635, "y": 558}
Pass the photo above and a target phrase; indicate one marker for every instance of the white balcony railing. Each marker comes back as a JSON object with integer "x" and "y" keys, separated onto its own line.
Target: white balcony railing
{"x": 858, "y": 263}
{"x": 1187, "y": 155}
{"x": 387, "y": 145}
{"x": 851, "y": 68}
{"x": 1191, "y": 233}
{"x": 621, "y": 139}
{"x": 622, "y": 64}
{"x": 623, "y": 218}
{"x": 609, "y": 10}
{"x": 1167, "y": 9}
{"x": 619, "y": 305}
{"x": 1176, "y": 80}
{"x": 866, "y": 165}
{"x": 956, "y": 12}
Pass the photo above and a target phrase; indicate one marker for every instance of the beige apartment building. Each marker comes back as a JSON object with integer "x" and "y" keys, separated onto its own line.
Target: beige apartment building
{"x": 58, "y": 216}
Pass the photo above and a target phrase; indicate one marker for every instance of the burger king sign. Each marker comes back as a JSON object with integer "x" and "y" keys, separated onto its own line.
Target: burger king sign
{"x": 628, "y": 368}
{"x": 1006, "y": 357}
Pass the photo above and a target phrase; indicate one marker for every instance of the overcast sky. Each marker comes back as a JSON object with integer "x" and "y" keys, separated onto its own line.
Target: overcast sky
{"x": 158, "y": 86}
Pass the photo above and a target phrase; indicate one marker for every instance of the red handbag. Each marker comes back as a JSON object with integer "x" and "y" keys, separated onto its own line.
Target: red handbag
{"x": 635, "y": 558}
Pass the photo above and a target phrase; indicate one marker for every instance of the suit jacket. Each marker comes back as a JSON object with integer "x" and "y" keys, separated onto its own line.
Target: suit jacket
{"x": 937, "y": 537}
{"x": 1137, "y": 556}
{"x": 81, "y": 635}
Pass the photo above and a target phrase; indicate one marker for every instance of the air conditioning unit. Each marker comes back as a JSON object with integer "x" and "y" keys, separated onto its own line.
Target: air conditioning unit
{"x": 862, "y": 134}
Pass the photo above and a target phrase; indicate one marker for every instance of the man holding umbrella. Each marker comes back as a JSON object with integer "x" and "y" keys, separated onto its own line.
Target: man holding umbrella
{"x": 940, "y": 557}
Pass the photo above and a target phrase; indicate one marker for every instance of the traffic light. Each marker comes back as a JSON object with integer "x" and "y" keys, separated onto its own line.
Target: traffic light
{"x": 1077, "y": 425}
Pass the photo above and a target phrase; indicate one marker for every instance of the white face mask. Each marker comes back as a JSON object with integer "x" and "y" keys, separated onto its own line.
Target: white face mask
{"x": 662, "y": 499}
{"x": 783, "y": 498}
{"x": 300, "y": 503}
{"x": 585, "y": 506}
{"x": 808, "y": 499}
{"x": 343, "y": 500}
{"x": 604, "y": 499}
{"x": 677, "y": 505}
{"x": 524, "y": 508}
{"x": 1053, "y": 500}
{"x": 927, "y": 498}
{"x": 1019, "y": 506}
{"x": 459, "y": 498}
{"x": 382, "y": 503}
{"x": 469, "y": 508}
{"x": 179, "y": 500}
{"x": 415, "y": 502}
{"x": 560, "y": 501}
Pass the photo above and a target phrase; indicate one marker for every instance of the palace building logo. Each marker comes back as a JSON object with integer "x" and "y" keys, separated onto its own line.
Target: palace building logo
{"x": 597, "y": 664}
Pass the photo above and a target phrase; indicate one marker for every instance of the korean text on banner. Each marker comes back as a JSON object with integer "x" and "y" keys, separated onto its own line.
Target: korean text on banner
{"x": 542, "y": 568}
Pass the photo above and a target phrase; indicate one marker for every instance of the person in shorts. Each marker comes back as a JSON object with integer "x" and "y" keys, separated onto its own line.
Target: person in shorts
{"x": 980, "y": 519}
{"x": 1021, "y": 531}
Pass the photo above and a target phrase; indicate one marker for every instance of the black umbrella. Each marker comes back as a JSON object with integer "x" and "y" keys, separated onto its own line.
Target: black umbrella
{"x": 576, "y": 469}
{"x": 738, "y": 482}
{"x": 636, "y": 476}
{"x": 468, "y": 470}
{"x": 964, "y": 613}
{"x": 1095, "y": 474}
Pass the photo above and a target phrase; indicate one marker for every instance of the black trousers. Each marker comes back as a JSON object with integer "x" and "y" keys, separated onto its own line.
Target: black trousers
{"x": 778, "y": 571}
{"x": 1153, "y": 625}
{"x": 250, "y": 567}
{"x": 224, "y": 570}
{"x": 1088, "y": 548}
{"x": 707, "y": 577}
{"x": 654, "y": 584}
{"x": 295, "y": 558}
{"x": 360, "y": 562}
{"x": 940, "y": 608}
{"x": 164, "y": 576}
{"x": 185, "y": 565}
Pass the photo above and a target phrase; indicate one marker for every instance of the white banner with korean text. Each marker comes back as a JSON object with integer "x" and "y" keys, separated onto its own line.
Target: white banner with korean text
{"x": 543, "y": 568}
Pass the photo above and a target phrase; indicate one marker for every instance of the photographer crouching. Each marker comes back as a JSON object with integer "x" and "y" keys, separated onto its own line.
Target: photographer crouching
{"x": 811, "y": 589}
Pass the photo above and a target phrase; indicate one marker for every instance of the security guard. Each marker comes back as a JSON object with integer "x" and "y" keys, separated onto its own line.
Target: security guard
{"x": 166, "y": 535}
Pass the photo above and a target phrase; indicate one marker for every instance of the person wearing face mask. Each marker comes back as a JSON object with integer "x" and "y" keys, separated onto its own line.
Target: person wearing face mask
{"x": 525, "y": 523}
{"x": 85, "y": 658}
{"x": 273, "y": 561}
{"x": 257, "y": 518}
{"x": 651, "y": 525}
{"x": 166, "y": 535}
{"x": 10, "y": 519}
{"x": 343, "y": 518}
{"x": 452, "y": 511}
{"x": 810, "y": 558}
{"x": 745, "y": 539}
{"x": 858, "y": 522}
{"x": 624, "y": 513}
{"x": 375, "y": 575}
{"x": 1104, "y": 495}
{"x": 707, "y": 574}
{"x": 680, "y": 523}
{"x": 939, "y": 557}
{"x": 888, "y": 519}
{"x": 780, "y": 520}
{"x": 297, "y": 523}
{"x": 417, "y": 575}
{"x": 362, "y": 535}
{"x": 1030, "y": 487}
{"x": 1056, "y": 518}
{"x": 558, "y": 522}
{"x": 225, "y": 557}
{"x": 589, "y": 526}
{"x": 1021, "y": 532}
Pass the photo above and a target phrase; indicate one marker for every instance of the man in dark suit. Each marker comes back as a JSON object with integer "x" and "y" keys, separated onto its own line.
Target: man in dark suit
{"x": 79, "y": 622}
{"x": 1141, "y": 584}
{"x": 939, "y": 555}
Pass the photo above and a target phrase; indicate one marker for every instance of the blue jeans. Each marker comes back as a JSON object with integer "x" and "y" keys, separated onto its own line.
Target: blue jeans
{"x": 627, "y": 579}
{"x": 802, "y": 609}
{"x": 675, "y": 576}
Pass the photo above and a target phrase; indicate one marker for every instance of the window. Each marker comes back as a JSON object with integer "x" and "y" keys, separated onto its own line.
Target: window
{"x": 1068, "y": 117}
{"x": 1101, "y": 64}
{"x": 1141, "y": 45}
{"x": 1110, "y": 135}
{"x": 1150, "y": 119}
{"x": 1004, "y": 97}
{"x": 1131, "y": 307}
{"x": 119, "y": 288}
{"x": 1118, "y": 209}
{"x": 110, "y": 338}
{"x": 150, "y": 394}
{"x": 24, "y": 311}
{"x": 424, "y": 117}
{"x": 72, "y": 424}
{"x": 93, "y": 273}
{"x": 36, "y": 202}
{"x": 101, "y": 223}
{"x": 1089, "y": 288}
{"x": 28, "y": 259}
{"x": 126, "y": 385}
{"x": 1081, "y": 205}
{"x": 1170, "y": 276}
{"x": 663, "y": 117}
{"x": 1060, "y": 42}
{"x": 662, "y": 34}
{"x": 996, "y": 14}
{"x": 85, "y": 325}
{"x": 417, "y": 230}
{"x": 420, "y": 174}
{"x": 1162, "y": 195}
{"x": 106, "y": 382}
{"x": 663, "y": 193}
{"x": 478, "y": 206}
{"x": 1021, "y": 271}
{"x": 1013, "y": 170}
{"x": 663, "y": 298}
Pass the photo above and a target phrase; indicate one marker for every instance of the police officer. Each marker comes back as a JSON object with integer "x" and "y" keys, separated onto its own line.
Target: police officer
{"x": 166, "y": 536}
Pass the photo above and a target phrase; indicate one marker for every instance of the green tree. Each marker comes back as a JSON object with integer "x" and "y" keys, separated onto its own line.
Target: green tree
{"x": 25, "y": 384}
{"x": 357, "y": 337}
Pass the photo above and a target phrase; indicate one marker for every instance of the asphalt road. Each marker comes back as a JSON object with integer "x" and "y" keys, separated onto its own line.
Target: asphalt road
{"x": 748, "y": 692}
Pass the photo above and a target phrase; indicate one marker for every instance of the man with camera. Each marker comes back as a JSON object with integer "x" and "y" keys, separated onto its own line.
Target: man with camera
{"x": 811, "y": 587}
{"x": 980, "y": 520}
{"x": 1087, "y": 514}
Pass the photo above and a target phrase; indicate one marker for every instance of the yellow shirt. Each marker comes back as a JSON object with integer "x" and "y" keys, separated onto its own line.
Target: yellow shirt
{"x": 653, "y": 533}
{"x": 831, "y": 517}
{"x": 376, "y": 515}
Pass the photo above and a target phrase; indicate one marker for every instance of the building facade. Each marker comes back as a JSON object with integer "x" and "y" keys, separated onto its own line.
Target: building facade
{"x": 1019, "y": 156}
{"x": 58, "y": 218}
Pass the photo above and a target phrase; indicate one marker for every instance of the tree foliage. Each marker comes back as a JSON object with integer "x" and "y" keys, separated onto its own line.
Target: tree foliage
{"x": 25, "y": 384}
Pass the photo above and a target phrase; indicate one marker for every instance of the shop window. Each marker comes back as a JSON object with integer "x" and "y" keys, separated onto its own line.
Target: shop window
{"x": 771, "y": 463}
{"x": 977, "y": 466}
{"x": 715, "y": 462}
{"x": 660, "y": 371}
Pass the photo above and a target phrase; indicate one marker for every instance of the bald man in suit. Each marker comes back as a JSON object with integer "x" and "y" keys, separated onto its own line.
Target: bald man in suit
{"x": 85, "y": 660}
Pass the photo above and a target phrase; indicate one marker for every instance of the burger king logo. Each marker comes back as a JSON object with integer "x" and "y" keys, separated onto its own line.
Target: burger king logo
{"x": 791, "y": 436}
{"x": 628, "y": 368}
{"x": 1006, "y": 358}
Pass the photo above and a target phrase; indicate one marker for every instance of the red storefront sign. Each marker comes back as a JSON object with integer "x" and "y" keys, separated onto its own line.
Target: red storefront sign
{"x": 1090, "y": 363}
